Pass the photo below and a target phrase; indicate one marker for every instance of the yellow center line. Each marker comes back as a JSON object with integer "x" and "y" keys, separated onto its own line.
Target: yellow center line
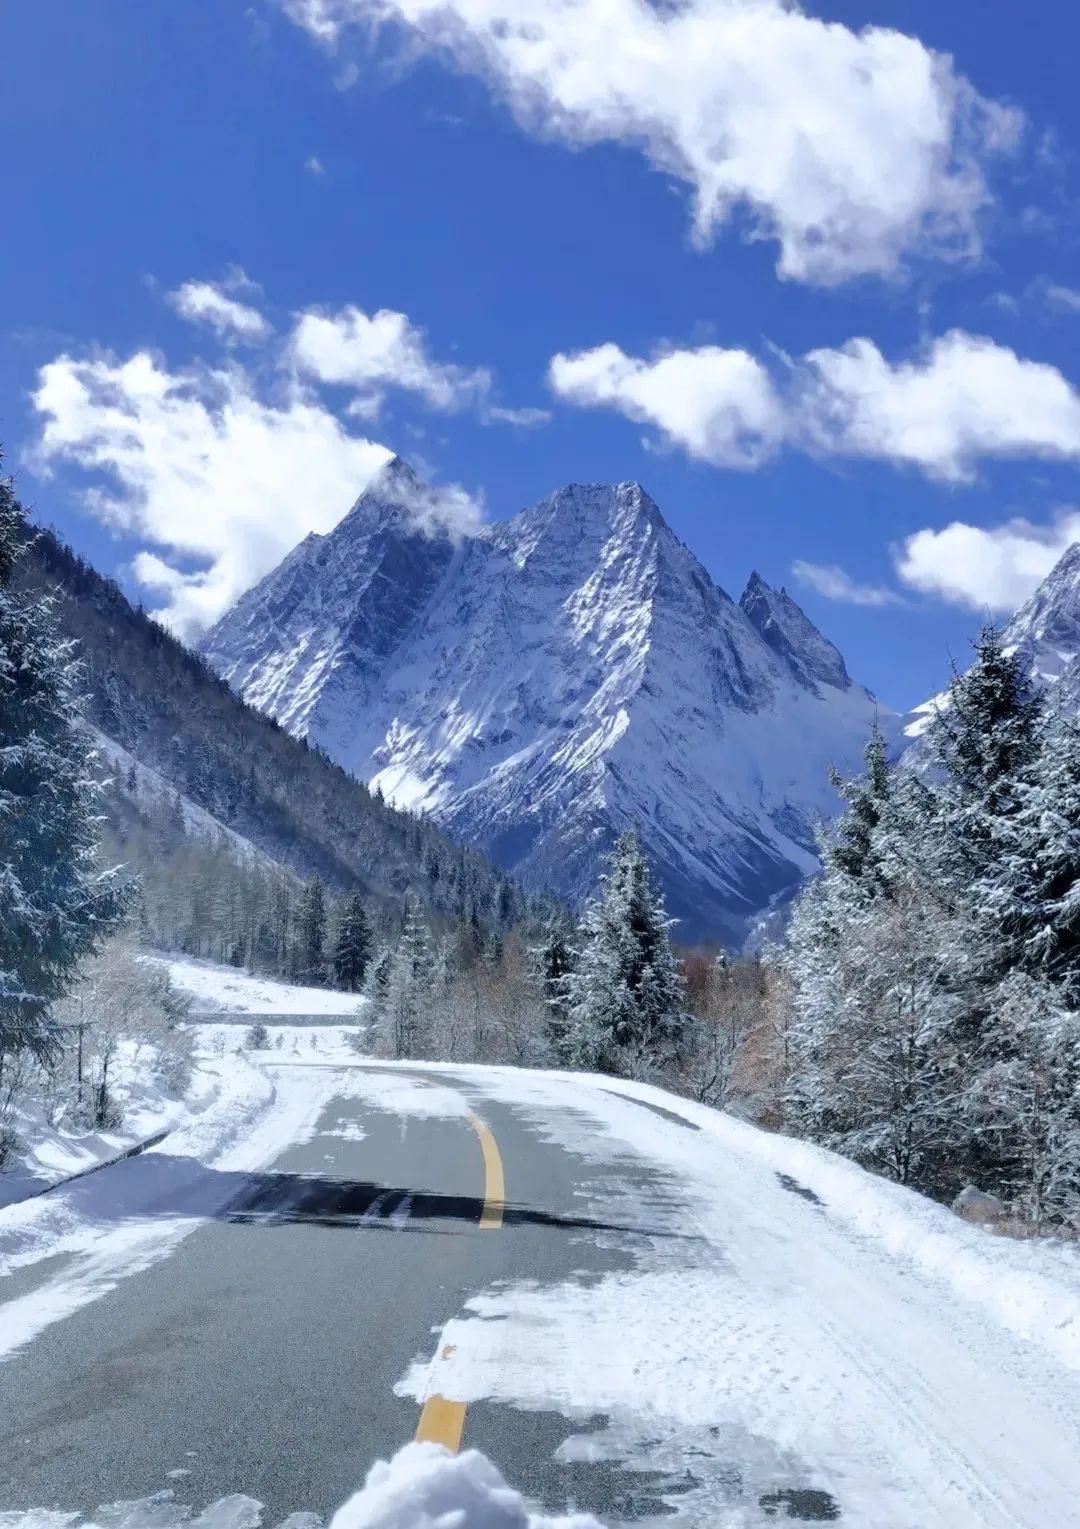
{"x": 442, "y": 1421}
{"x": 494, "y": 1183}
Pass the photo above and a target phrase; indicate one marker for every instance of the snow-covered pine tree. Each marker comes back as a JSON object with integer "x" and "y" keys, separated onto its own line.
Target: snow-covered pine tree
{"x": 56, "y": 905}
{"x": 377, "y": 981}
{"x": 877, "y": 961}
{"x": 872, "y": 1041}
{"x": 311, "y": 933}
{"x": 850, "y": 848}
{"x": 910, "y": 1023}
{"x": 1029, "y": 895}
{"x": 982, "y": 744}
{"x": 627, "y": 1002}
{"x": 352, "y": 947}
{"x": 405, "y": 1020}
{"x": 1024, "y": 1102}
{"x": 552, "y": 964}
{"x": 985, "y": 744}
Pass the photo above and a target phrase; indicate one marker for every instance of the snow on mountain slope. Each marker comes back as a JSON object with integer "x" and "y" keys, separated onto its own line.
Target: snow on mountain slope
{"x": 153, "y": 794}
{"x": 1046, "y": 631}
{"x": 537, "y": 685}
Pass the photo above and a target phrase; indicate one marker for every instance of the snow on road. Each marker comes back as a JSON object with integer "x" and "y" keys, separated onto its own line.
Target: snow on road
{"x": 422, "y": 1487}
{"x": 801, "y": 1339}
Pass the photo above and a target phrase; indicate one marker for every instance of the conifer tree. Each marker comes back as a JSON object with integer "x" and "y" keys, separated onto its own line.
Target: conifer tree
{"x": 627, "y": 1002}
{"x": 982, "y": 744}
{"x": 851, "y": 846}
{"x": 406, "y": 1010}
{"x": 352, "y": 948}
{"x": 56, "y": 905}
{"x": 553, "y": 963}
{"x": 311, "y": 933}
{"x": 1030, "y": 893}
{"x": 377, "y": 981}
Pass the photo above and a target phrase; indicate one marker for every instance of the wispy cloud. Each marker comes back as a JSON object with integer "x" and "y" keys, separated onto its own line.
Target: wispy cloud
{"x": 214, "y": 304}
{"x": 832, "y": 581}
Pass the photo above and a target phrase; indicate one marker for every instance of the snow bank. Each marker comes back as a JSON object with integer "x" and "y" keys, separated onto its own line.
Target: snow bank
{"x": 217, "y": 989}
{"x": 52, "y": 1150}
{"x": 1032, "y": 1288}
{"x": 425, "y": 1487}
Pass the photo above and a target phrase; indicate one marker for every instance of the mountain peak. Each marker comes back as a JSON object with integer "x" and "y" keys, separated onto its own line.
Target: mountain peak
{"x": 394, "y": 477}
{"x": 788, "y": 630}
{"x": 570, "y": 669}
{"x": 1047, "y": 625}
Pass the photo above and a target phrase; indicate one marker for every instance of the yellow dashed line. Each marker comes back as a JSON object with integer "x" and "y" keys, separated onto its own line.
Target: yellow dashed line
{"x": 443, "y": 1421}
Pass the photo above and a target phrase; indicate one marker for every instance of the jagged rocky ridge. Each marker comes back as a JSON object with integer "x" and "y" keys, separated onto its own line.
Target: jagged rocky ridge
{"x": 1046, "y": 632}
{"x": 535, "y": 686}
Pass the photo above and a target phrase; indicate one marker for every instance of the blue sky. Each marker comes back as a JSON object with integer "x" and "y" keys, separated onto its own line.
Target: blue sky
{"x": 209, "y": 202}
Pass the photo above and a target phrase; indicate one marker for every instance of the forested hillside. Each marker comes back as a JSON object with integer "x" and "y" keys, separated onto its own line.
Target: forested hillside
{"x": 177, "y": 728}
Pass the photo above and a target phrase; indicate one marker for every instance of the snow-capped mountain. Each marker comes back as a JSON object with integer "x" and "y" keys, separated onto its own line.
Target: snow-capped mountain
{"x": 1046, "y": 631}
{"x": 535, "y": 685}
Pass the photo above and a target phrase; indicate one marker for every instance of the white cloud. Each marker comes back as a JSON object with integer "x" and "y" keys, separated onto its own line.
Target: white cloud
{"x": 205, "y": 302}
{"x": 849, "y": 148}
{"x": 720, "y": 405}
{"x": 374, "y": 352}
{"x": 1066, "y": 299}
{"x": 832, "y": 581}
{"x": 314, "y": 165}
{"x": 202, "y": 468}
{"x": 525, "y": 419}
{"x": 986, "y": 568}
{"x": 964, "y": 398}
{"x": 224, "y": 468}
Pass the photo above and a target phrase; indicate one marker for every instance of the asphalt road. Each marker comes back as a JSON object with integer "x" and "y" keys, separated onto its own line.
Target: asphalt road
{"x": 261, "y": 1355}
{"x": 666, "y": 1314}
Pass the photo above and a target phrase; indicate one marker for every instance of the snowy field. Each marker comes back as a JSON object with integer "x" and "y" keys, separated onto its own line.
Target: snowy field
{"x": 215, "y": 989}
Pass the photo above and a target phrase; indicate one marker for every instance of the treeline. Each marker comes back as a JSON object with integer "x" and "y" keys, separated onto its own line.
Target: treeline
{"x": 204, "y": 896}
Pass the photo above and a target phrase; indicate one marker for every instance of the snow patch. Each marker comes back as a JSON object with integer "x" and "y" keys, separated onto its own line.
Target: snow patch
{"x": 422, "y": 1487}
{"x": 425, "y": 1487}
{"x": 215, "y": 989}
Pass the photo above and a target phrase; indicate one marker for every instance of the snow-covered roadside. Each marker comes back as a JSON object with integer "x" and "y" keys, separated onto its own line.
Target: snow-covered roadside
{"x": 215, "y": 989}
{"x": 1031, "y": 1287}
{"x": 53, "y": 1150}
